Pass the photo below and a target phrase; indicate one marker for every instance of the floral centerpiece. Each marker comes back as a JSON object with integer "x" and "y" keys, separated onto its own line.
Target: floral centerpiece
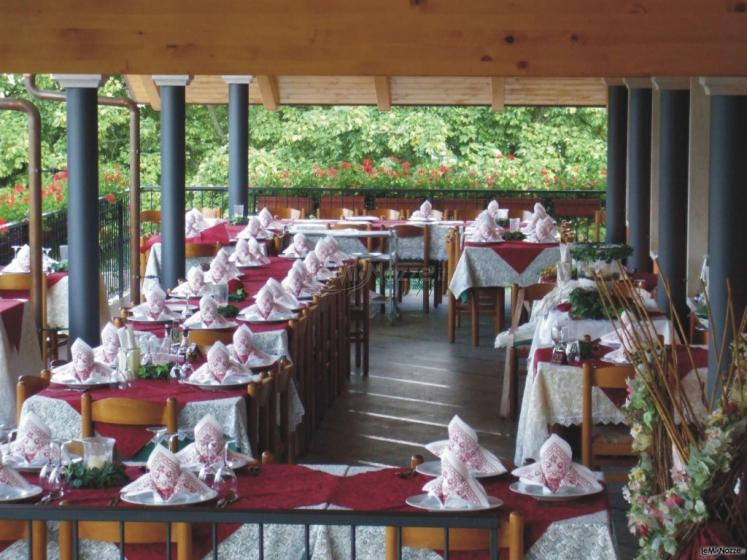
{"x": 592, "y": 260}
{"x": 688, "y": 488}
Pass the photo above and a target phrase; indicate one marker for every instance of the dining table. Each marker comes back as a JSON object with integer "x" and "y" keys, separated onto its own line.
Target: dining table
{"x": 557, "y": 530}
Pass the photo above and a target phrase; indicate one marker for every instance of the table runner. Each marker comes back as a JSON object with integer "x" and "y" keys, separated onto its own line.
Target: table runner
{"x": 517, "y": 254}
{"x": 11, "y": 311}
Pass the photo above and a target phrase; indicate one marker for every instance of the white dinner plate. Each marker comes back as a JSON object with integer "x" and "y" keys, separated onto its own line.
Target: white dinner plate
{"x": 538, "y": 492}
{"x": 21, "y": 465}
{"x": 11, "y": 494}
{"x": 277, "y": 318}
{"x": 178, "y": 306}
{"x": 235, "y": 464}
{"x": 430, "y": 503}
{"x": 146, "y": 499}
{"x": 223, "y": 327}
{"x": 251, "y": 265}
{"x": 433, "y": 468}
{"x": 216, "y": 386}
{"x": 146, "y": 319}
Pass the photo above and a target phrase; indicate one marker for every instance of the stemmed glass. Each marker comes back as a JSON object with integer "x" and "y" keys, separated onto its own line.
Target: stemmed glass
{"x": 52, "y": 474}
{"x": 225, "y": 482}
{"x": 16, "y": 248}
{"x": 6, "y": 436}
{"x": 207, "y": 470}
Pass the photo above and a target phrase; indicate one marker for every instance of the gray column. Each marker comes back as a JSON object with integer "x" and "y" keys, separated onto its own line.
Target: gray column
{"x": 727, "y": 230}
{"x": 674, "y": 121}
{"x": 172, "y": 178}
{"x": 639, "y": 174}
{"x": 238, "y": 142}
{"x": 81, "y": 92}
{"x": 617, "y": 133}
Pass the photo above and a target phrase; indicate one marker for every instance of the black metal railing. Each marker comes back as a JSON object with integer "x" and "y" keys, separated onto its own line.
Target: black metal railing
{"x": 297, "y": 517}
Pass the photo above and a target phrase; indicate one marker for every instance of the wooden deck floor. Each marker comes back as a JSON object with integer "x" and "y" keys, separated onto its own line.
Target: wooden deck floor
{"x": 417, "y": 382}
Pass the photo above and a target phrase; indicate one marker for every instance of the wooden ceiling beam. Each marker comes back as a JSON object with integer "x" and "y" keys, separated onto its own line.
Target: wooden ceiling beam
{"x": 268, "y": 89}
{"x": 144, "y": 90}
{"x": 505, "y": 38}
{"x": 498, "y": 94}
{"x": 383, "y": 92}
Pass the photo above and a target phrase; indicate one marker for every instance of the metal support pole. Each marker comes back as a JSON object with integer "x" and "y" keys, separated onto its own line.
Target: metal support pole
{"x": 639, "y": 177}
{"x": 238, "y": 147}
{"x": 727, "y": 224}
{"x": 617, "y": 134}
{"x": 83, "y": 214}
{"x": 172, "y": 184}
{"x": 674, "y": 133}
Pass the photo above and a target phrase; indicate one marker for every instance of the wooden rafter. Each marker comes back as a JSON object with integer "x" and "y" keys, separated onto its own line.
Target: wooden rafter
{"x": 383, "y": 92}
{"x": 268, "y": 88}
{"x": 144, "y": 90}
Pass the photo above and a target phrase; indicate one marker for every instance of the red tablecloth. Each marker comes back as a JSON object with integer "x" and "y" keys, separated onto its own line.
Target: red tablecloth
{"x": 131, "y": 439}
{"x": 294, "y": 486}
{"x": 618, "y": 396}
{"x": 518, "y": 254}
{"x": 11, "y": 311}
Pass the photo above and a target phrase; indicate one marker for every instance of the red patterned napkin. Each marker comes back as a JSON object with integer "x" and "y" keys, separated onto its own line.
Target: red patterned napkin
{"x": 456, "y": 487}
{"x": 208, "y": 430}
{"x": 32, "y": 441}
{"x": 464, "y": 445}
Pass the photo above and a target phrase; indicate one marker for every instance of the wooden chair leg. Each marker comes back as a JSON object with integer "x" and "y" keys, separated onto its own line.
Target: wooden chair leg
{"x": 500, "y": 302}
{"x": 66, "y": 540}
{"x": 39, "y": 533}
{"x": 426, "y": 291}
{"x": 474, "y": 302}
{"x": 183, "y": 537}
{"x": 452, "y": 318}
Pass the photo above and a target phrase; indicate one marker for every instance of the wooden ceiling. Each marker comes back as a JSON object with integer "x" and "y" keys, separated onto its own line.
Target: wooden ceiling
{"x": 385, "y": 92}
{"x": 504, "y": 38}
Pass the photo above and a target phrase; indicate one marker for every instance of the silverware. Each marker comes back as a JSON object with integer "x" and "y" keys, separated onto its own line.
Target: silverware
{"x": 227, "y": 501}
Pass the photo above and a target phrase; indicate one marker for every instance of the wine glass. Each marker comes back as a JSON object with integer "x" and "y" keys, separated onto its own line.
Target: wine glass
{"x": 16, "y": 248}
{"x": 225, "y": 482}
{"x": 207, "y": 469}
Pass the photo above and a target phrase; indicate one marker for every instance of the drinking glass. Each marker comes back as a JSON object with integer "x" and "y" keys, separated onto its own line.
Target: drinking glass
{"x": 63, "y": 252}
{"x": 513, "y": 224}
{"x": 207, "y": 470}
{"x": 15, "y": 248}
{"x": 238, "y": 210}
{"x": 225, "y": 482}
{"x": 220, "y": 293}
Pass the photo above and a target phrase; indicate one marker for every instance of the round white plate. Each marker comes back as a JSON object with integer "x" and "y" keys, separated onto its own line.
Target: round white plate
{"x": 178, "y": 306}
{"x": 84, "y": 386}
{"x": 433, "y": 468}
{"x": 251, "y": 265}
{"x": 17, "y": 494}
{"x": 146, "y": 499}
{"x": 145, "y": 319}
{"x": 235, "y": 464}
{"x": 216, "y": 387}
{"x": 279, "y": 318}
{"x": 223, "y": 327}
{"x": 539, "y": 493}
{"x": 292, "y": 257}
{"x": 430, "y": 503}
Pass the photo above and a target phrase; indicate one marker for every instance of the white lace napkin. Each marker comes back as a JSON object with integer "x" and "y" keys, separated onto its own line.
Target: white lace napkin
{"x": 266, "y": 219}
{"x": 464, "y": 445}
{"x": 165, "y": 480}
{"x": 485, "y": 230}
{"x": 265, "y": 308}
{"x": 425, "y": 212}
{"x": 281, "y": 297}
{"x": 544, "y": 231}
{"x": 208, "y": 430}
{"x": 154, "y": 307}
{"x": 11, "y": 480}
{"x": 83, "y": 367}
{"x": 310, "y": 282}
{"x": 538, "y": 214}
{"x": 243, "y": 350}
{"x": 22, "y": 261}
{"x": 456, "y": 488}
{"x": 299, "y": 248}
{"x": 207, "y": 317}
{"x": 32, "y": 441}
{"x": 194, "y": 223}
{"x": 295, "y": 284}
{"x": 111, "y": 342}
{"x": 248, "y": 253}
{"x": 493, "y": 208}
{"x": 556, "y": 470}
{"x": 220, "y": 370}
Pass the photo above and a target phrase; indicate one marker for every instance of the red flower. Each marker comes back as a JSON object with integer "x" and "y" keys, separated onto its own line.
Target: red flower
{"x": 511, "y": 157}
{"x": 490, "y": 181}
{"x": 406, "y": 165}
{"x": 19, "y": 188}
{"x": 367, "y": 163}
{"x": 332, "y": 172}
{"x": 2, "y": 224}
{"x": 443, "y": 170}
{"x": 345, "y": 165}
{"x": 26, "y": 199}
{"x": 546, "y": 180}
{"x": 421, "y": 171}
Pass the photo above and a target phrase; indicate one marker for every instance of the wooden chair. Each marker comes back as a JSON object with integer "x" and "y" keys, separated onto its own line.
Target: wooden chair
{"x": 420, "y": 268}
{"x": 205, "y": 338}
{"x": 150, "y": 217}
{"x": 282, "y": 375}
{"x": 21, "y": 282}
{"x": 129, "y": 412}
{"x": 600, "y": 217}
{"x": 18, "y": 530}
{"x": 27, "y": 386}
{"x": 389, "y": 213}
{"x": 360, "y": 316}
{"x": 510, "y": 536}
{"x": 469, "y": 214}
{"x": 211, "y": 212}
{"x": 334, "y": 213}
{"x": 522, "y": 299}
{"x": 200, "y": 250}
{"x": 609, "y": 445}
{"x": 261, "y": 413}
{"x": 287, "y": 213}
{"x": 367, "y": 241}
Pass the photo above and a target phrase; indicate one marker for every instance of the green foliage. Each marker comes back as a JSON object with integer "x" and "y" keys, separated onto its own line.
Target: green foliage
{"x": 228, "y": 311}
{"x": 154, "y": 371}
{"x": 514, "y": 236}
{"x": 109, "y": 476}
{"x": 601, "y": 252}
{"x": 238, "y": 295}
{"x": 587, "y": 304}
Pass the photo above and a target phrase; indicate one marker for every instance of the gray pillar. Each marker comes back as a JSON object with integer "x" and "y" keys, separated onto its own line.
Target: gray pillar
{"x": 172, "y": 178}
{"x": 727, "y": 220}
{"x": 617, "y": 133}
{"x": 639, "y": 177}
{"x": 83, "y": 206}
{"x": 674, "y": 134}
{"x": 238, "y": 142}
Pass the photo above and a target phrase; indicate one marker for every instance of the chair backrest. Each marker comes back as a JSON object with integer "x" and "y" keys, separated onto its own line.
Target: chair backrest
{"x": 522, "y": 298}
{"x": 128, "y": 412}
{"x": 27, "y": 386}
{"x": 510, "y": 536}
{"x": 469, "y": 214}
{"x": 21, "y": 281}
{"x": 409, "y": 231}
{"x": 205, "y": 338}
{"x": 211, "y": 212}
{"x": 600, "y": 217}
{"x": 150, "y": 217}
{"x": 389, "y": 213}
{"x": 287, "y": 213}
{"x": 607, "y": 377}
{"x": 197, "y": 250}
{"x": 333, "y": 213}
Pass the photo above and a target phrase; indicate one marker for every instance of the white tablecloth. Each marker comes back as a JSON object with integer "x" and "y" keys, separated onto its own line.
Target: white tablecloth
{"x": 57, "y": 304}
{"x": 25, "y": 360}
{"x": 482, "y": 267}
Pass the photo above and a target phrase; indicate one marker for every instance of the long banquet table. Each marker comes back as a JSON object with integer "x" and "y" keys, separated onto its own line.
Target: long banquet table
{"x": 559, "y": 530}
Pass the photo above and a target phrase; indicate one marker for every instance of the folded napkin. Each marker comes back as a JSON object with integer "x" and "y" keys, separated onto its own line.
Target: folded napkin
{"x": 493, "y": 208}
{"x": 255, "y": 229}
{"x": 220, "y": 370}
{"x": 456, "y": 487}
{"x": 154, "y": 307}
{"x": 194, "y": 223}
{"x": 425, "y": 212}
{"x": 485, "y": 230}
{"x": 544, "y": 231}
{"x": 329, "y": 253}
{"x": 243, "y": 350}
{"x": 266, "y": 219}
{"x": 463, "y": 444}
{"x": 32, "y": 441}
{"x": 11, "y": 480}
{"x": 248, "y": 253}
{"x": 280, "y": 295}
{"x": 194, "y": 286}
{"x": 314, "y": 267}
{"x": 294, "y": 283}
{"x": 111, "y": 342}
{"x": 556, "y": 470}
{"x": 22, "y": 261}
{"x": 166, "y": 479}
{"x": 538, "y": 214}
{"x": 265, "y": 308}
{"x": 309, "y": 281}
{"x": 299, "y": 248}
{"x": 83, "y": 367}
{"x": 207, "y": 431}
{"x": 222, "y": 271}
{"x": 208, "y": 316}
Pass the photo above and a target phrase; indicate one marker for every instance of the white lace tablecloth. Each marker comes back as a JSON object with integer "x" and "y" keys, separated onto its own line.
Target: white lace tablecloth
{"x": 57, "y": 304}
{"x": 14, "y": 362}
{"x": 482, "y": 267}
{"x": 411, "y": 248}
